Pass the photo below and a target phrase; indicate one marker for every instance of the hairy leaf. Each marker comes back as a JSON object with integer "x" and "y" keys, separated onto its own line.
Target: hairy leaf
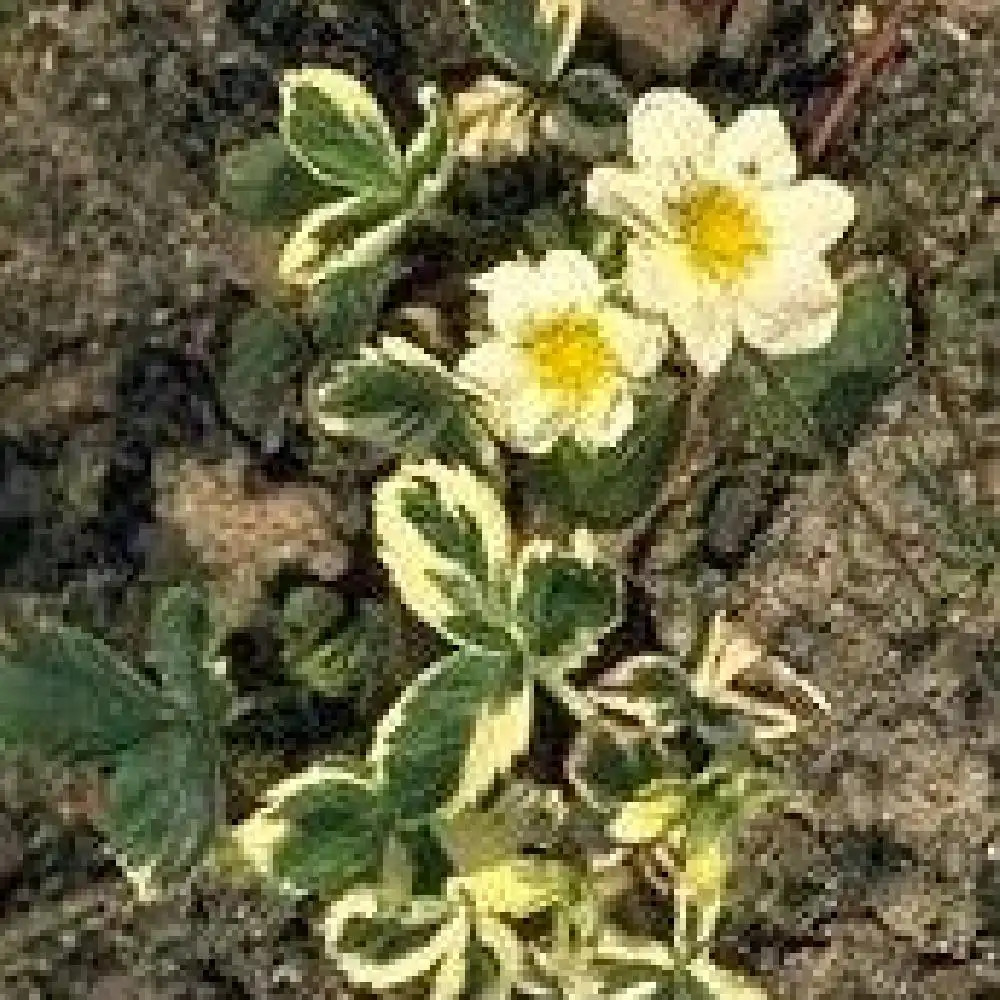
{"x": 65, "y": 693}
{"x": 180, "y": 650}
{"x": 166, "y": 802}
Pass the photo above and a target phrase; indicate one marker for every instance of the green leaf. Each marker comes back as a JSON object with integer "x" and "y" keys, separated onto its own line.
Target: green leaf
{"x": 335, "y": 128}
{"x": 344, "y": 658}
{"x": 347, "y": 306}
{"x": 428, "y": 161}
{"x": 451, "y": 531}
{"x": 265, "y": 353}
{"x": 309, "y": 617}
{"x": 591, "y": 120}
{"x": 180, "y": 650}
{"x": 608, "y": 772}
{"x": 423, "y": 746}
{"x": 66, "y": 694}
{"x": 564, "y": 600}
{"x": 685, "y": 986}
{"x": 443, "y": 535}
{"x": 403, "y": 400}
{"x": 613, "y": 486}
{"x": 820, "y": 397}
{"x": 166, "y": 801}
{"x": 382, "y": 947}
{"x": 867, "y": 350}
{"x": 531, "y": 37}
{"x": 704, "y": 980}
{"x": 263, "y": 184}
{"x": 349, "y": 234}
{"x": 335, "y": 837}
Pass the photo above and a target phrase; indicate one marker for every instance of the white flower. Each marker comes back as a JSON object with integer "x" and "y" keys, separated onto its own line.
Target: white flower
{"x": 492, "y": 119}
{"x": 561, "y": 360}
{"x": 724, "y": 238}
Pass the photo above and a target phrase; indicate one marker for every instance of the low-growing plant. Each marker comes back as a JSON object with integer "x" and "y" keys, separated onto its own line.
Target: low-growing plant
{"x": 470, "y": 852}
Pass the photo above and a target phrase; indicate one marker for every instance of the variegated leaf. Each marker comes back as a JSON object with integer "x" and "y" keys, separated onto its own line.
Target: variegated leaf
{"x": 565, "y": 600}
{"x": 517, "y": 888}
{"x": 430, "y": 748}
{"x": 335, "y": 830}
{"x": 500, "y": 735}
{"x": 337, "y": 131}
{"x": 352, "y": 233}
{"x": 382, "y": 947}
{"x": 443, "y": 535}
{"x": 723, "y": 984}
{"x": 402, "y": 399}
{"x": 534, "y": 38}
{"x": 431, "y": 157}
{"x": 319, "y": 830}
{"x": 651, "y": 813}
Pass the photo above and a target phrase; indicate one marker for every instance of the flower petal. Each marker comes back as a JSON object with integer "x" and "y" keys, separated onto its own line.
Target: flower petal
{"x": 790, "y": 305}
{"x": 603, "y": 426}
{"x": 510, "y": 289}
{"x": 805, "y": 332}
{"x": 756, "y": 145}
{"x": 639, "y": 343}
{"x": 699, "y": 312}
{"x": 516, "y": 408}
{"x": 670, "y": 133}
{"x": 634, "y": 196}
{"x": 563, "y": 279}
{"x": 571, "y": 277}
{"x": 810, "y": 215}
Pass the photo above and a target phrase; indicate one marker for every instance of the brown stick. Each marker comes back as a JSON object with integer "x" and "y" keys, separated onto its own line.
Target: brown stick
{"x": 861, "y": 73}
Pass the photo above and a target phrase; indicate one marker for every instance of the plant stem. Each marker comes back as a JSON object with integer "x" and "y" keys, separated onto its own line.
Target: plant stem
{"x": 860, "y": 74}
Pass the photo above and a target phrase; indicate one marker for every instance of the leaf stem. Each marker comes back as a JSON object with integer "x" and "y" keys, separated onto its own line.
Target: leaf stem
{"x": 693, "y": 456}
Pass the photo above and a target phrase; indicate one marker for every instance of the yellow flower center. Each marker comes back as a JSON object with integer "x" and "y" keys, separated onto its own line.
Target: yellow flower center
{"x": 722, "y": 232}
{"x": 569, "y": 356}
